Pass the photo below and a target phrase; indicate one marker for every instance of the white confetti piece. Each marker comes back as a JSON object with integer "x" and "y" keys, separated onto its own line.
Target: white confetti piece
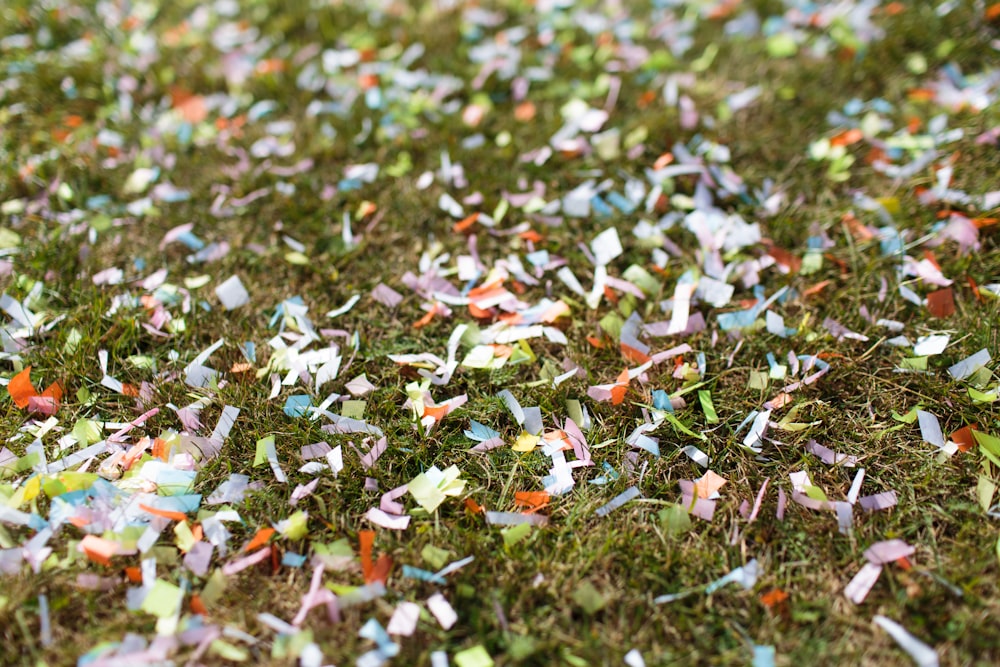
{"x": 442, "y": 610}
{"x": 232, "y": 293}
{"x": 922, "y": 654}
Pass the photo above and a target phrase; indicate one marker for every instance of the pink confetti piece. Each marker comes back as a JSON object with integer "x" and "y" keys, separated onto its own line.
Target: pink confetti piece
{"x": 442, "y": 610}
{"x": 861, "y": 584}
{"x": 699, "y": 507}
{"x": 830, "y": 457}
{"x": 782, "y": 501}
{"x": 758, "y": 501}
{"x": 404, "y": 619}
{"x": 315, "y": 451}
{"x": 198, "y": 558}
{"x": 385, "y": 520}
{"x": 388, "y": 502}
{"x": 302, "y": 491}
{"x": 879, "y": 501}
{"x": 888, "y": 551}
{"x": 241, "y": 564}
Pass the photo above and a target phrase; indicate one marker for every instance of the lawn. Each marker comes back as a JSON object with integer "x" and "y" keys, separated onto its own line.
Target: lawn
{"x": 528, "y": 332}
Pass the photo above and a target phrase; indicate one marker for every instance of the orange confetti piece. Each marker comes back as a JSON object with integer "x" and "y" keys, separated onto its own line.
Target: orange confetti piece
{"x": 473, "y": 507}
{"x": 633, "y": 355}
{"x": 524, "y": 112}
{"x": 197, "y": 606}
{"x": 425, "y": 320}
{"x": 367, "y": 540}
{"x": 480, "y": 313}
{"x": 134, "y": 574}
{"x": 98, "y": 549}
{"x": 993, "y": 12}
{"x": 964, "y": 438}
{"x": 167, "y": 514}
{"x": 465, "y": 224}
{"x": 161, "y": 450}
{"x": 941, "y": 303}
{"x": 532, "y": 501}
{"x": 380, "y": 572}
{"x": 975, "y": 288}
{"x": 847, "y": 137}
{"x": 21, "y": 389}
{"x": 817, "y": 288}
{"x": 260, "y": 539}
{"x": 438, "y": 412}
{"x": 921, "y": 95}
{"x": 773, "y": 598}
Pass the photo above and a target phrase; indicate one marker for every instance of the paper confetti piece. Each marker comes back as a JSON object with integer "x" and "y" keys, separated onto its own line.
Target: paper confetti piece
{"x": 930, "y": 429}
{"x": 442, "y": 611}
{"x": 922, "y": 654}
{"x": 232, "y": 293}
{"x": 966, "y": 367}
{"x": 404, "y": 619}
{"x": 619, "y": 500}
{"x": 473, "y": 657}
{"x": 861, "y": 584}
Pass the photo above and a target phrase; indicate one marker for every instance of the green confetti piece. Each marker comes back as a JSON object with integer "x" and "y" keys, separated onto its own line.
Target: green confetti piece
{"x": 705, "y": 398}
{"x": 260, "y": 456}
{"x": 353, "y": 409}
{"x": 758, "y": 380}
{"x": 781, "y": 46}
{"x": 816, "y": 493}
{"x": 910, "y": 417}
{"x": 73, "y": 340}
{"x": 227, "y": 651}
{"x": 985, "y": 491}
{"x": 185, "y": 538}
{"x": 589, "y": 598}
{"x": 215, "y": 587}
{"x": 473, "y": 657}
{"x": 296, "y": 526}
{"x": 163, "y": 599}
{"x": 982, "y": 396}
{"x": 575, "y": 411}
{"x": 435, "y": 557}
{"x": 86, "y": 432}
{"x": 681, "y": 427}
{"x": 612, "y": 324}
{"x": 515, "y": 534}
{"x": 914, "y": 364}
{"x": 674, "y": 520}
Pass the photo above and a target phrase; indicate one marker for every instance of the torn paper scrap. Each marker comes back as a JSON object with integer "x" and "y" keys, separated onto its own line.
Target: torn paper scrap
{"x": 922, "y": 654}
{"x": 232, "y": 293}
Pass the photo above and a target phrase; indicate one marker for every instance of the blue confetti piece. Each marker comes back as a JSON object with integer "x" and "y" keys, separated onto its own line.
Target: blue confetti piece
{"x": 763, "y": 656}
{"x": 480, "y": 432}
{"x": 661, "y": 400}
{"x": 292, "y": 559}
{"x": 297, "y": 405}
{"x": 600, "y": 207}
{"x": 411, "y": 572}
{"x": 620, "y": 202}
{"x": 191, "y": 241}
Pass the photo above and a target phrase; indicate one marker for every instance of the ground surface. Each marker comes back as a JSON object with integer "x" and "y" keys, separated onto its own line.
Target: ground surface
{"x": 734, "y": 262}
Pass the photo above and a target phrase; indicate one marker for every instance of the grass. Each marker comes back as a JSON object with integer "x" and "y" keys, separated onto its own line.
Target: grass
{"x": 581, "y": 590}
